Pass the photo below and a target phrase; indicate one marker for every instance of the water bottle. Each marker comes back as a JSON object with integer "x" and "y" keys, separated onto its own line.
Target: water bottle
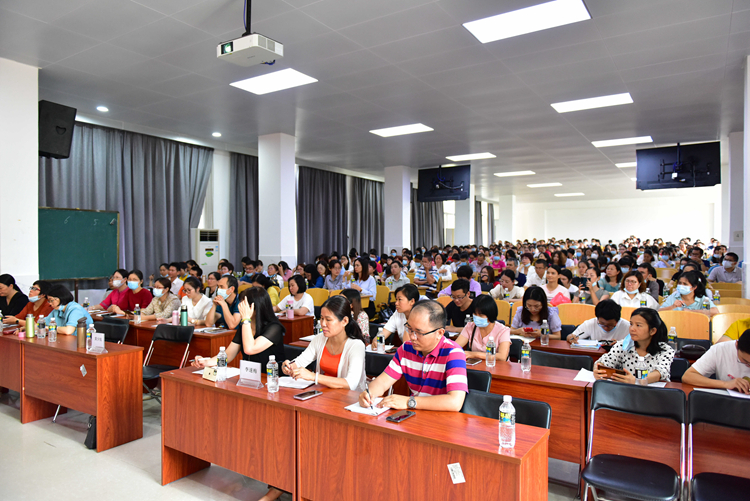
{"x": 665, "y": 292}
{"x": 41, "y": 330}
{"x": 506, "y": 294}
{"x": 175, "y": 317}
{"x": 183, "y": 315}
{"x": 272, "y": 374}
{"x": 581, "y": 296}
{"x": 672, "y": 338}
{"x": 137, "y": 313}
{"x": 52, "y": 330}
{"x": 467, "y": 319}
{"x": 717, "y": 297}
{"x": 507, "y": 423}
{"x": 644, "y": 301}
{"x": 705, "y": 303}
{"x": 491, "y": 351}
{"x": 86, "y": 303}
{"x": 30, "y": 325}
{"x": 381, "y": 340}
{"x": 526, "y": 357}
{"x": 544, "y": 339}
{"x": 221, "y": 365}
{"x": 90, "y": 337}
{"x": 641, "y": 372}
{"x": 318, "y": 328}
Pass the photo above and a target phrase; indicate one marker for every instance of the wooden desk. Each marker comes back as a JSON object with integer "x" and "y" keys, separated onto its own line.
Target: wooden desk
{"x": 563, "y": 347}
{"x": 297, "y": 327}
{"x": 365, "y": 457}
{"x": 566, "y": 398}
{"x": 49, "y": 374}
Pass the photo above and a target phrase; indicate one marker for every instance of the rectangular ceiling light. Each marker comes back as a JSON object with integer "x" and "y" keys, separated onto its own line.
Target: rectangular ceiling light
{"x": 401, "y": 130}
{"x": 515, "y": 173}
{"x": 569, "y": 194}
{"x": 471, "y": 156}
{"x": 272, "y": 82}
{"x": 535, "y": 18}
{"x": 593, "y": 102}
{"x": 543, "y": 185}
{"x": 625, "y": 165}
{"x": 622, "y": 142}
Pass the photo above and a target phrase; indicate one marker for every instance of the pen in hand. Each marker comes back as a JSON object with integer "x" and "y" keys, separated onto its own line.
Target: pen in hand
{"x": 367, "y": 389}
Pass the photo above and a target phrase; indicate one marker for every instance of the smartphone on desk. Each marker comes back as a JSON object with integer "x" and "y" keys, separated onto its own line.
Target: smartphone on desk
{"x": 307, "y": 395}
{"x": 473, "y": 361}
{"x": 400, "y": 416}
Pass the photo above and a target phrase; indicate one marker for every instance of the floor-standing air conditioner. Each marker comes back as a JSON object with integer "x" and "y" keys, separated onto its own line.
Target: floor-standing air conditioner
{"x": 205, "y": 245}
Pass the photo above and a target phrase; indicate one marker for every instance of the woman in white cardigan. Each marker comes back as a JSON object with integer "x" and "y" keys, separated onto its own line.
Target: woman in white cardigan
{"x": 338, "y": 353}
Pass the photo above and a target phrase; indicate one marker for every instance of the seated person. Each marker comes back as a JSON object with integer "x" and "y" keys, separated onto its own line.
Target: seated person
{"x": 466, "y": 273}
{"x": 580, "y": 277}
{"x": 117, "y": 296}
{"x": 339, "y": 352}
{"x": 538, "y": 274}
{"x": 248, "y": 265}
{"x": 553, "y": 287}
{"x": 335, "y": 280}
{"x": 566, "y": 280}
{"x": 535, "y": 310}
{"x": 427, "y": 275}
{"x": 163, "y": 273}
{"x": 225, "y": 310}
{"x": 633, "y": 292}
{"x": 212, "y": 284}
{"x": 227, "y": 268}
{"x": 364, "y": 282}
{"x": 12, "y": 300}
{"x": 461, "y": 307}
{"x": 406, "y": 297}
{"x": 649, "y": 275}
{"x": 164, "y": 303}
{"x": 358, "y": 313}
{"x": 274, "y": 275}
{"x": 506, "y": 288}
{"x": 298, "y": 300}
{"x": 443, "y": 269}
{"x": 696, "y": 254}
{"x": 612, "y": 278}
{"x": 512, "y": 265}
{"x": 174, "y": 277}
{"x": 65, "y": 311}
{"x": 647, "y": 340}
{"x": 690, "y": 295}
{"x": 264, "y": 282}
{"x": 36, "y": 306}
{"x": 314, "y": 279}
{"x": 487, "y": 280}
{"x": 606, "y": 325}
{"x": 398, "y": 278}
{"x": 729, "y": 363}
{"x": 590, "y": 292}
{"x": 435, "y": 366}
{"x": 196, "y": 271}
{"x": 728, "y": 272}
{"x": 135, "y": 295}
{"x": 477, "y": 333}
{"x": 734, "y": 330}
{"x": 198, "y": 305}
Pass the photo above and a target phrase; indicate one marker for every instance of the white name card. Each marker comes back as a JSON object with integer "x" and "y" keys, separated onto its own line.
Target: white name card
{"x": 97, "y": 343}
{"x": 250, "y": 374}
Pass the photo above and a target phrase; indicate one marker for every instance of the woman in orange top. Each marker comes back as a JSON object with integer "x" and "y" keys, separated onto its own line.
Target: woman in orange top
{"x": 37, "y": 304}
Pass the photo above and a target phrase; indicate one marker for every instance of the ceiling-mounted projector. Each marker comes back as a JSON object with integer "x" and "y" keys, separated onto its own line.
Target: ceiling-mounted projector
{"x": 249, "y": 50}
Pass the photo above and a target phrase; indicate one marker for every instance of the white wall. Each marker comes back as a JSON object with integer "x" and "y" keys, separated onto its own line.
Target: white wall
{"x": 216, "y": 207}
{"x": 671, "y": 218}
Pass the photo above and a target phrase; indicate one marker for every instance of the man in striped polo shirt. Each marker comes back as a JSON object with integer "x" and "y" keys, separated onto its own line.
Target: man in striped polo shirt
{"x": 434, "y": 366}
{"x": 427, "y": 275}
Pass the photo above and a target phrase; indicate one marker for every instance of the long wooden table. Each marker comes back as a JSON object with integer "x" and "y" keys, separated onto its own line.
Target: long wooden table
{"x": 563, "y": 347}
{"x": 321, "y": 451}
{"x": 50, "y": 374}
{"x": 297, "y": 327}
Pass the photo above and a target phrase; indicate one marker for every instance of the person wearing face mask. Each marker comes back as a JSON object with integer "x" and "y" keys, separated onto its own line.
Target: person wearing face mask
{"x": 36, "y": 306}
{"x": 135, "y": 295}
{"x": 273, "y": 274}
{"x": 633, "y": 291}
{"x": 475, "y": 335}
{"x": 696, "y": 254}
{"x": 249, "y": 267}
{"x": 162, "y": 305}
{"x": 690, "y": 295}
{"x": 463, "y": 260}
{"x": 498, "y": 264}
{"x": 118, "y": 296}
{"x": 163, "y": 273}
{"x": 649, "y": 275}
{"x": 225, "y": 311}
{"x": 665, "y": 259}
{"x": 507, "y": 287}
{"x": 646, "y": 341}
{"x": 606, "y": 325}
{"x": 65, "y": 311}
{"x": 197, "y": 304}
{"x": 728, "y": 272}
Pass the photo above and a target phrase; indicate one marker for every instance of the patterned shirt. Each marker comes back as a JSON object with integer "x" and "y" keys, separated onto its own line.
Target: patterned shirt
{"x": 618, "y": 358}
{"x": 443, "y": 370}
{"x": 421, "y": 274}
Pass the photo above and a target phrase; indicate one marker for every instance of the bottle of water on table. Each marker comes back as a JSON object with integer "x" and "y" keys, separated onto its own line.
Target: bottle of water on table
{"x": 137, "y": 314}
{"x": 526, "y": 357}
{"x": 221, "y": 365}
{"x": 507, "y": 423}
{"x": 272, "y": 374}
{"x": 491, "y": 352}
{"x": 544, "y": 339}
{"x": 381, "y": 340}
{"x": 52, "y": 330}
{"x": 641, "y": 372}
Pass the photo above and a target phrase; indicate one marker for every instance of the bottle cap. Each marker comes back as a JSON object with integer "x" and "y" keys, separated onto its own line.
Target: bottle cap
{"x": 507, "y": 398}
{"x": 222, "y": 348}
{"x": 271, "y": 358}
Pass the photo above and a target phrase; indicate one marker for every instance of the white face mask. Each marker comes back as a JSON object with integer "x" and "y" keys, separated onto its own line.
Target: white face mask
{"x": 116, "y": 283}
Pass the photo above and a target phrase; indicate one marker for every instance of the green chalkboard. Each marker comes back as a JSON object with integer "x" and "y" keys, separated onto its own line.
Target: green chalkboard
{"x": 76, "y": 243}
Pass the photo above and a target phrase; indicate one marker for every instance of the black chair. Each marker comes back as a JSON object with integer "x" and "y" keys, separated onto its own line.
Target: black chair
{"x": 514, "y": 354}
{"x": 624, "y": 476}
{"x": 115, "y": 320}
{"x": 679, "y": 366}
{"x": 717, "y": 410}
{"x": 700, "y": 342}
{"x": 478, "y": 380}
{"x": 528, "y": 412}
{"x": 113, "y": 332}
{"x": 375, "y": 363}
{"x": 575, "y": 362}
{"x": 292, "y": 352}
{"x": 167, "y": 334}
{"x": 566, "y": 330}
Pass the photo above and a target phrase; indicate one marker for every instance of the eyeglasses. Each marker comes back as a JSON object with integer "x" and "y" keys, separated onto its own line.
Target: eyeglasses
{"x": 746, "y": 364}
{"x": 34, "y": 288}
{"x": 458, "y": 298}
{"x": 410, "y": 331}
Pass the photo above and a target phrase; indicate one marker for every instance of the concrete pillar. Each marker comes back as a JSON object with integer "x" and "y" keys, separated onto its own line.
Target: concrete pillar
{"x": 465, "y": 219}
{"x": 397, "y": 200}
{"x": 734, "y": 181}
{"x": 745, "y": 235}
{"x": 504, "y": 212}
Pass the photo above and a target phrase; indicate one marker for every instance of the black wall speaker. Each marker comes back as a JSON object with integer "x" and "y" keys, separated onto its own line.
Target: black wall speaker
{"x": 55, "y": 129}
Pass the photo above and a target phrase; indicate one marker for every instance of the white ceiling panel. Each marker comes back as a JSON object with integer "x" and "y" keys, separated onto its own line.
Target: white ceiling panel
{"x": 43, "y": 10}
{"x": 160, "y": 37}
{"x": 98, "y": 60}
{"x": 106, "y": 19}
{"x": 338, "y": 14}
{"x": 435, "y": 42}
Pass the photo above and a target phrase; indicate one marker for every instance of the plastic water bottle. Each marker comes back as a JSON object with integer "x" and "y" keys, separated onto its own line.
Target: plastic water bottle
{"x": 544, "y": 339}
{"x": 272, "y": 374}
{"x": 52, "y": 330}
{"x": 644, "y": 300}
{"x": 221, "y": 365}
{"x": 137, "y": 313}
{"x": 507, "y": 423}
{"x": 641, "y": 372}
{"x": 41, "y": 329}
{"x": 672, "y": 338}
{"x": 506, "y": 294}
{"x": 717, "y": 297}
{"x": 86, "y": 303}
{"x": 90, "y": 337}
{"x": 491, "y": 351}
{"x": 318, "y": 328}
{"x": 705, "y": 303}
{"x": 467, "y": 319}
{"x": 581, "y": 296}
{"x": 381, "y": 340}
{"x": 526, "y": 357}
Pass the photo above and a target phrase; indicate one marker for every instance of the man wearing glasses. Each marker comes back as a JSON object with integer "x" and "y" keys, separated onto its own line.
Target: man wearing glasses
{"x": 434, "y": 366}
{"x": 607, "y": 324}
{"x": 729, "y": 362}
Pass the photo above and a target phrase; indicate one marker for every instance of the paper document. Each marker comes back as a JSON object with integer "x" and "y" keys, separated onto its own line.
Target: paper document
{"x": 585, "y": 375}
{"x": 522, "y": 338}
{"x": 718, "y": 391}
{"x": 287, "y": 382}
{"x": 733, "y": 393}
{"x": 307, "y": 338}
{"x": 658, "y": 384}
{"x": 231, "y": 372}
{"x": 369, "y": 349}
{"x": 586, "y": 344}
{"x": 375, "y": 411}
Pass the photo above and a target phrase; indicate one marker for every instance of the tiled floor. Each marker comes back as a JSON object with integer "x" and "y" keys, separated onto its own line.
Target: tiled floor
{"x": 45, "y": 460}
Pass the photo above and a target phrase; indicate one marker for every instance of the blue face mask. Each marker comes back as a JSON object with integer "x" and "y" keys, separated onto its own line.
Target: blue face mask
{"x": 61, "y": 307}
{"x": 682, "y": 266}
{"x": 481, "y": 321}
{"x": 158, "y": 292}
{"x": 405, "y": 262}
{"x": 132, "y": 285}
{"x": 33, "y": 299}
{"x": 627, "y": 343}
{"x": 684, "y": 290}
{"x": 222, "y": 293}
{"x": 578, "y": 254}
{"x": 624, "y": 269}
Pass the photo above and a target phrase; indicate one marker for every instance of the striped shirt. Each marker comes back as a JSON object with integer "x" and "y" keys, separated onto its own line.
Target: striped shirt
{"x": 421, "y": 274}
{"x": 441, "y": 371}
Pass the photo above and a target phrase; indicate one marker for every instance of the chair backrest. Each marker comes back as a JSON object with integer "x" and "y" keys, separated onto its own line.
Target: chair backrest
{"x": 718, "y": 410}
{"x": 292, "y": 352}
{"x": 284, "y": 293}
{"x": 722, "y": 286}
{"x": 113, "y": 333}
{"x": 503, "y": 310}
{"x": 242, "y": 286}
{"x": 689, "y": 324}
{"x": 734, "y": 308}
{"x": 375, "y": 363}
{"x": 665, "y": 273}
{"x": 655, "y": 402}
{"x": 566, "y": 330}
{"x": 381, "y": 295}
{"x": 335, "y": 292}
{"x": 319, "y": 296}
{"x": 278, "y": 289}
{"x": 514, "y": 309}
{"x": 734, "y": 300}
{"x": 575, "y": 313}
{"x": 171, "y": 334}
{"x": 678, "y": 368}
{"x": 626, "y": 312}
{"x": 514, "y": 354}
{"x": 478, "y": 380}
{"x": 548, "y": 359}
{"x": 528, "y": 412}
{"x": 444, "y": 300}
{"x": 721, "y": 322}
{"x": 730, "y": 294}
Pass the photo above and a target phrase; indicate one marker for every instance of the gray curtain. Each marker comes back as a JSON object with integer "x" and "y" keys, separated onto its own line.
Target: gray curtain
{"x": 321, "y": 213}
{"x": 158, "y": 186}
{"x": 427, "y": 223}
{"x": 243, "y": 207}
{"x": 478, "y": 235}
{"x": 491, "y": 222}
{"x": 366, "y": 213}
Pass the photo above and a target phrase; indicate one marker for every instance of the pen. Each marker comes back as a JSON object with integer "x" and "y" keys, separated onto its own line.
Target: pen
{"x": 367, "y": 389}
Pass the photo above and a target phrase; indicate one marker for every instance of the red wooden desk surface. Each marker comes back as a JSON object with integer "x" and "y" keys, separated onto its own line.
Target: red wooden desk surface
{"x": 365, "y": 457}
{"x": 563, "y": 347}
